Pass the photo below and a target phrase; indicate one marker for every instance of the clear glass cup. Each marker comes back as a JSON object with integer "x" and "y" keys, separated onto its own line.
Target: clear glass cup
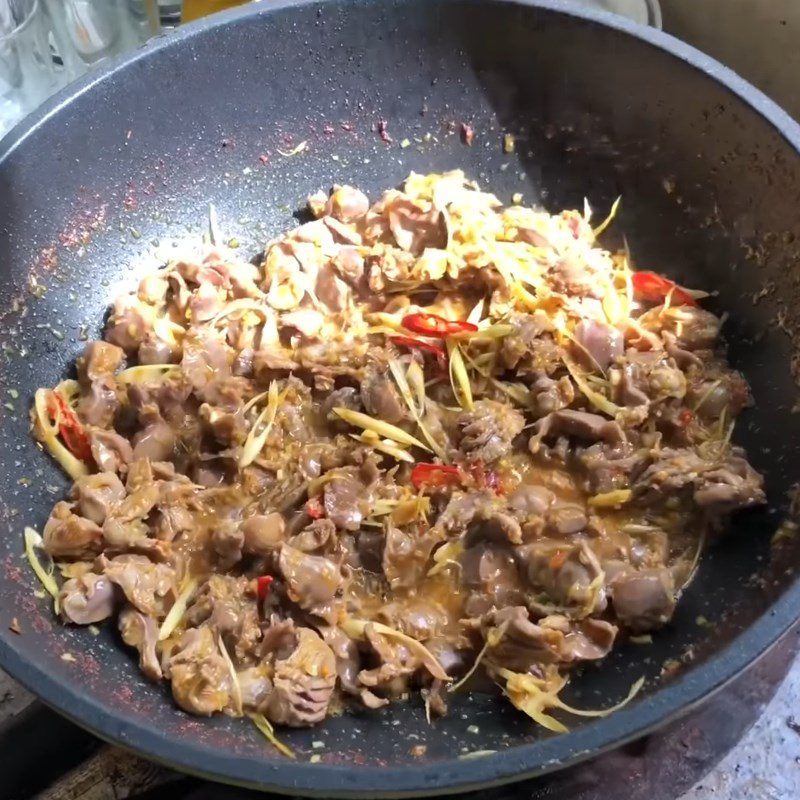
{"x": 28, "y": 71}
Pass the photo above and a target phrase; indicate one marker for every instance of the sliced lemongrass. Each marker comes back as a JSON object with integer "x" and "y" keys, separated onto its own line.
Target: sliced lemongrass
{"x": 295, "y": 150}
{"x": 459, "y": 378}
{"x": 236, "y": 689}
{"x": 268, "y": 732}
{"x": 609, "y": 219}
{"x": 146, "y": 372}
{"x": 616, "y": 497}
{"x": 48, "y": 433}
{"x": 493, "y": 637}
{"x": 256, "y": 439}
{"x": 383, "y": 429}
{"x": 213, "y": 226}
{"x": 33, "y": 542}
{"x": 446, "y": 556}
{"x": 599, "y": 401}
{"x": 416, "y": 380}
{"x": 355, "y": 629}
{"x": 603, "y": 712}
{"x": 402, "y": 384}
{"x": 175, "y": 614}
{"x": 476, "y": 314}
{"x": 384, "y": 446}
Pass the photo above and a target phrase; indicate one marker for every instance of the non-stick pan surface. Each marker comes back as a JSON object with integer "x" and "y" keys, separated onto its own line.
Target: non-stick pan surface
{"x": 127, "y": 160}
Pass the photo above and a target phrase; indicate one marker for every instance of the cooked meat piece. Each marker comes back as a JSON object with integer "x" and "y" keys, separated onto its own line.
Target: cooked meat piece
{"x": 279, "y": 638}
{"x": 551, "y": 395}
{"x": 348, "y": 659}
{"x": 96, "y": 494}
{"x": 610, "y": 467}
{"x": 153, "y": 350}
{"x": 255, "y": 686}
{"x": 303, "y": 683}
{"x": 693, "y": 328}
{"x": 347, "y": 397}
{"x": 528, "y": 500}
{"x": 125, "y": 523}
{"x": 492, "y": 526}
{"x": 406, "y": 556}
{"x": 395, "y": 666}
{"x": 87, "y": 599}
{"x": 312, "y": 581}
{"x": 349, "y": 264}
{"x": 128, "y": 324}
{"x": 263, "y": 533}
{"x": 645, "y": 599}
{"x": 719, "y": 487}
{"x": 489, "y": 572}
{"x": 141, "y": 631}
{"x": 598, "y": 344}
{"x": 227, "y": 605}
{"x": 566, "y": 518}
{"x": 580, "y": 424}
{"x": 573, "y": 275}
{"x": 205, "y": 359}
{"x": 413, "y": 228}
{"x": 98, "y": 361}
{"x": 99, "y": 403}
{"x": 156, "y": 440}
{"x": 488, "y": 430}
{"x": 111, "y": 452}
{"x": 149, "y": 587}
{"x": 418, "y": 617}
{"x": 567, "y": 574}
{"x": 462, "y": 508}
{"x": 369, "y": 547}
{"x": 227, "y": 541}
{"x": 66, "y": 535}
{"x": 201, "y": 681}
{"x": 320, "y": 534}
{"x": 345, "y": 204}
{"x": 346, "y": 500}
{"x": 531, "y": 348}
{"x": 381, "y": 398}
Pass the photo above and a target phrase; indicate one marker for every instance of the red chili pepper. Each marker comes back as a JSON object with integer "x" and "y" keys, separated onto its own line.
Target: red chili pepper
{"x": 263, "y": 582}
{"x": 428, "y": 347}
{"x": 70, "y": 428}
{"x": 653, "y": 287}
{"x": 438, "y": 475}
{"x": 315, "y": 509}
{"x": 434, "y": 325}
{"x": 685, "y": 417}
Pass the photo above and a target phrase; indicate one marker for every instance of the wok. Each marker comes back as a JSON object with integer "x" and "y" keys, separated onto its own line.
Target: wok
{"x": 709, "y": 173}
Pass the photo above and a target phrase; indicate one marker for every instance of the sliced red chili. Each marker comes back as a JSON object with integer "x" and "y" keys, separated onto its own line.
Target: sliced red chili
{"x": 653, "y": 287}
{"x": 70, "y": 428}
{"x": 315, "y": 509}
{"x": 434, "y": 325}
{"x": 263, "y": 582}
{"x": 685, "y": 416}
{"x": 428, "y": 347}
{"x": 437, "y": 475}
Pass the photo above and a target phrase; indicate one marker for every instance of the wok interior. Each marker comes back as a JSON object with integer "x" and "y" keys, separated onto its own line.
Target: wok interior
{"x": 710, "y": 197}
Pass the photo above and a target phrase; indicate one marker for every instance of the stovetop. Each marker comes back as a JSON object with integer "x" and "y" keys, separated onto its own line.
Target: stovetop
{"x": 44, "y": 756}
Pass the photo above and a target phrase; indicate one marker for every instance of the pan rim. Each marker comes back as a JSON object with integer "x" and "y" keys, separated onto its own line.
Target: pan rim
{"x": 448, "y": 775}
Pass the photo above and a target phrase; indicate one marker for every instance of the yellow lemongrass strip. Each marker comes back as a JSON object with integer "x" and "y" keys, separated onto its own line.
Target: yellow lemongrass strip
{"x": 402, "y": 384}
{"x": 493, "y": 637}
{"x": 609, "y": 219}
{"x": 254, "y": 443}
{"x": 385, "y": 446}
{"x": 295, "y": 150}
{"x": 213, "y": 228}
{"x": 175, "y": 615}
{"x": 459, "y": 378}
{"x": 236, "y": 689}
{"x": 355, "y": 629}
{"x": 254, "y": 401}
{"x": 603, "y": 712}
{"x": 617, "y": 497}
{"x": 33, "y": 542}
{"x": 416, "y": 380}
{"x": 74, "y": 467}
{"x": 384, "y": 429}
{"x": 268, "y": 732}
{"x": 146, "y": 372}
{"x": 599, "y": 401}
{"x": 445, "y": 556}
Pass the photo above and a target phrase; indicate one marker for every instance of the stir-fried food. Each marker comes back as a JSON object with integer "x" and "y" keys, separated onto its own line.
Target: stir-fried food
{"x": 424, "y": 440}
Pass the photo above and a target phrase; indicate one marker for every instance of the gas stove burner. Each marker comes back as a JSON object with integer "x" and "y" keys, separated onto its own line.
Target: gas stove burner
{"x": 43, "y": 755}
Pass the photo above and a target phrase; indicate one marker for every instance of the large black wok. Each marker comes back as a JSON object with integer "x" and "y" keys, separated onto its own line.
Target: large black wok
{"x": 710, "y": 177}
